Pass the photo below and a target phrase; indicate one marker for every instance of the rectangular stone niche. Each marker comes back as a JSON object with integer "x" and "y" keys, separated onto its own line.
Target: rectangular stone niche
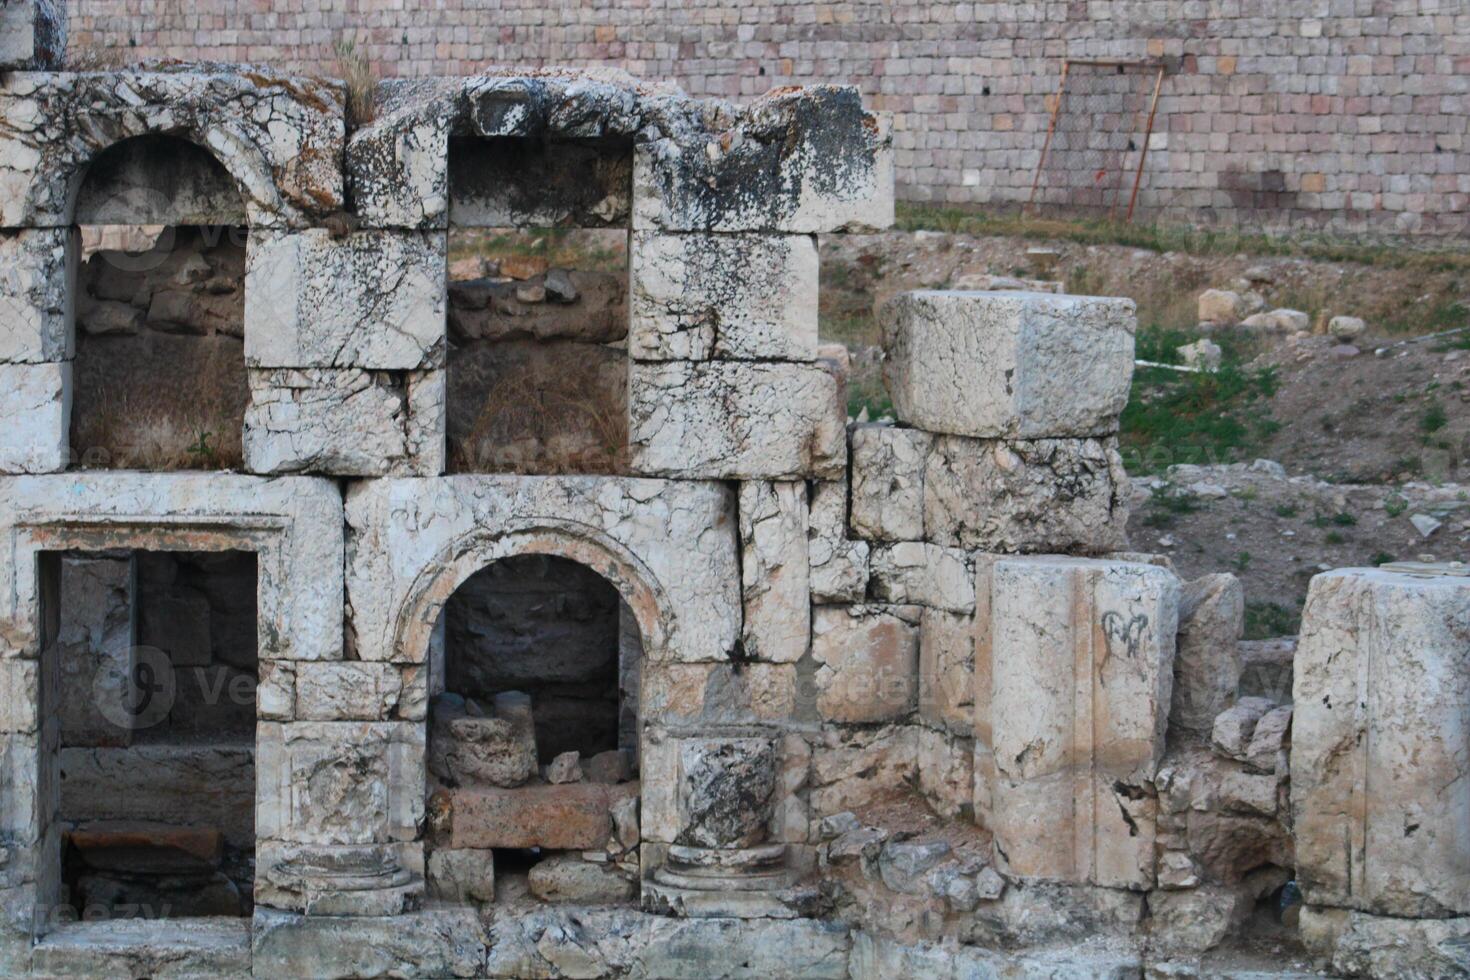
{"x": 142, "y": 707}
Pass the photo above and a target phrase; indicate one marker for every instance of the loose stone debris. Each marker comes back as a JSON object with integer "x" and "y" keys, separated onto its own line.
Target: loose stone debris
{"x": 753, "y": 692}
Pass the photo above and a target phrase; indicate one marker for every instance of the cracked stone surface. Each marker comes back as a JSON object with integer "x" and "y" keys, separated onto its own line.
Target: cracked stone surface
{"x": 281, "y": 138}
{"x": 1066, "y": 495}
{"x": 793, "y": 161}
{"x": 839, "y": 565}
{"x": 1379, "y": 738}
{"x": 37, "y": 280}
{"x": 775, "y": 571}
{"x": 1008, "y": 364}
{"x": 346, "y": 422}
{"x": 300, "y": 610}
{"x": 867, "y": 662}
{"x": 371, "y": 300}
{"x": 1072, "y": 639}
{"x": 888, "y": 482}
{"x": 728, "y": 297}
{"x": 669, "y": 547}
{"x": 919, "y": 573}
{"x": 736, "y": 420}
{"x": 34, "y": 417}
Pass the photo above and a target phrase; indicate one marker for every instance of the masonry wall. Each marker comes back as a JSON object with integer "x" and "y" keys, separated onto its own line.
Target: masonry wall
{"x": 1344, "y": 115}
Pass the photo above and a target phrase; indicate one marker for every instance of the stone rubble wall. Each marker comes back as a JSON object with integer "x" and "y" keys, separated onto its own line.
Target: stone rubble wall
{"x": 901, "y": 691}
{"x": 1347, "y": 115}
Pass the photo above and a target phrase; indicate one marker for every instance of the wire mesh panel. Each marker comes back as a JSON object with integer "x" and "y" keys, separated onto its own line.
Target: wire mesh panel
{"x": 1096, "y": 145}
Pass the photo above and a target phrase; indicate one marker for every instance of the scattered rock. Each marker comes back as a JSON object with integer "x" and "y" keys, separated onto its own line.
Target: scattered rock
{"x": 1219, "y": 306}
{"x": 1269, "y": 743}
{"x": 1232, "y": 731}
{"x": 902, "y": 863}
{"x": 612, "y": 766}
{"x": 838, "y": 824}
{"x": 466, "y": 748}
{"x": 1346, "y": 328}
{"x": 568, "y": 878}
{"x": 1203, "y": 354}
{"x": 625, "y": 823}
{"x": 1425, "y": 524}
{"x": 559, "y": 286}
{"x": 565, "y": 768}
{"x": 531, "y": 294}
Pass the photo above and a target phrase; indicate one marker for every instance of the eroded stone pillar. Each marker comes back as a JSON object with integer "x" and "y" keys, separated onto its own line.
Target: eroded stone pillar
{"x": 1381, "y": 741}
{"x": 725, "y": 793}
{"x": 1073, "y": 666}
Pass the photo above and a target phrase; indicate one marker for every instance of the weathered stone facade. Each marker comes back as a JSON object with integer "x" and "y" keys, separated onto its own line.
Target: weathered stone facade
{"x": 869, "y": 700}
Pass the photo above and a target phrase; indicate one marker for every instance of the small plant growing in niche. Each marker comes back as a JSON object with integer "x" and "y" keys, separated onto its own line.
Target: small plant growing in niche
{"x": 202, "y": 452}
{"x": 357, "y": 72}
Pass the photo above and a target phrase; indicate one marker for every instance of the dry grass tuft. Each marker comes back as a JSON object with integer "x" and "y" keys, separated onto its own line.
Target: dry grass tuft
{"x": 362, "y": 82}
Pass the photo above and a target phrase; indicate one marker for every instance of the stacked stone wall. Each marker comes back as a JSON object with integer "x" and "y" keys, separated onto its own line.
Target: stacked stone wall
{"x": 1345, "y": 115}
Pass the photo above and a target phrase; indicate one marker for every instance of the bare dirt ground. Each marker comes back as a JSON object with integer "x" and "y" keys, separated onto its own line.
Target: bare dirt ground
{"x": 1359, "y": 441}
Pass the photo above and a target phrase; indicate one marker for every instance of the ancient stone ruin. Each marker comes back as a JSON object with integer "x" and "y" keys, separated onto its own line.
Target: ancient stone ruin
{"x": 302, "y": 674}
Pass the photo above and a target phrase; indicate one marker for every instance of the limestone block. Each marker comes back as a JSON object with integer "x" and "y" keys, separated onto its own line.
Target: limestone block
{"x": 339, "y": 782}
{"x": 1008, "y": 364}
{"x": 1207, "y": 664}
{"x": 565, "y": 817}
{"x": 345, "y": 422}
{"x": 1380, "y": 739}
{"x": 669, "y": 547}
{"x": 947, "y": 671}
{"x": 369, "y": 299}
{"x": 719, "y": 693}
{"x": 293, "y": 524}
{"x": 32, "y": 34}
{"x": 280, "y": 138}
{"x": 37, "y": 288}
{"x": 854, "y": 767}
{"x": 438, "y": 942}
{"x": 1065, "y": 495}
{"x": 1356, "y": 944}
{"x": 923, "y": 574}
{"x": 736, "y": 420}
{"x": 462, "y": 874}
{"x": 775, "y": 571}
{"x": 728, "y": 297}
{"x": 795, "y": 160}
{"x": 397, "y": 167}
{"x": 568, "y": 878}
{"x": 347, "y": 691}
{"x": 944, "y": 765}
{"x": 1070, "y": 730}
{"x": 867, "y": 662}
{"x": 888, "y": 482}
{"x": 35, "y": 417}
{"x": 839, "y": 565}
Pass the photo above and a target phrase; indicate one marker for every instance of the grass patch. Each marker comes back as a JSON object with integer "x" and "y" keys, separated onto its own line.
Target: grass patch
{"x": 1264, "y": 620}
{"x": 1172, "y": 417}
{"x": 1166, "y": 506}
{"x": 1171, "y": 238}
{"x": 1434, "y": 417}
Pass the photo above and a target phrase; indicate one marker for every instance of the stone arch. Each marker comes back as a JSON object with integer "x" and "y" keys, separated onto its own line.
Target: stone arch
{"x": 582, "y": 543}
{"x": 232, "y": 150}
{"x": 156, "y": 178}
